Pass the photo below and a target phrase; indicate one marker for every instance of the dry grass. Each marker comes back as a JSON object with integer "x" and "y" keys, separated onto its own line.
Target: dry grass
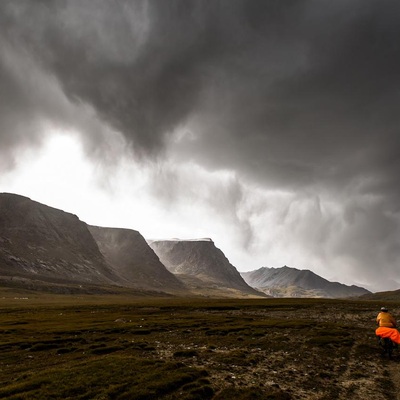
{"x": 121, "y": 347}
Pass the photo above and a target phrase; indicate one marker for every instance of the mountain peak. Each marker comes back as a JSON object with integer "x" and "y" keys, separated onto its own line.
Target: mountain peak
{"x": 293, "y": 282}
{"x": 199, "y": 260}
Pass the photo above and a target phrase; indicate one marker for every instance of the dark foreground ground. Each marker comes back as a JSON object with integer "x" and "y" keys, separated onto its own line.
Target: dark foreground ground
{"x": 125, "y": 348}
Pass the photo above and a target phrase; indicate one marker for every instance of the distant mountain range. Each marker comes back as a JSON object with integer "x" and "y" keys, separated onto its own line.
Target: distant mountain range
{"x": 292, "y": 282}
{"x": 45, "y": 248}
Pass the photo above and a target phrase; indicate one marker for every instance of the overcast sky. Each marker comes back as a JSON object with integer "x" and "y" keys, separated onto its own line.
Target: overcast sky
{"x": 271, "y": 126}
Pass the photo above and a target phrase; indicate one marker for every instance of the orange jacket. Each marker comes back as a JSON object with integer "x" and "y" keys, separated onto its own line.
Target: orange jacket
{"x": 385, "y": 319}
{"x": 391, "y": 333}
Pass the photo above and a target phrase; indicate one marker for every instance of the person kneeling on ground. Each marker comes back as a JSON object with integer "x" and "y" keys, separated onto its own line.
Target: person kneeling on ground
{"x": 387, "y": 326}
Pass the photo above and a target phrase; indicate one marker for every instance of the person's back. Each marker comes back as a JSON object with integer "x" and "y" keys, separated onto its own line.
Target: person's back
{"x": 385, "y": 319}
{"x": 387, "y": 326}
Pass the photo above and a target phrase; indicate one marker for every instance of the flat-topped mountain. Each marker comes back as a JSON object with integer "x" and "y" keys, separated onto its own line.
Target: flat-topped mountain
{"x": 292, "y": 282}
{"x": 44, "y": 243}
{"x": 130, "y": 255}
{"x": 199, "y": 263}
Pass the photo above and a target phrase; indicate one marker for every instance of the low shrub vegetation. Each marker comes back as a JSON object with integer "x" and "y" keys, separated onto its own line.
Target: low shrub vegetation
{"x": 191, "y": 349}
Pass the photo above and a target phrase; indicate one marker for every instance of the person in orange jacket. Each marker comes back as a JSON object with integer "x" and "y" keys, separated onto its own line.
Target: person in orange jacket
{"x": 387, "y": 326}
{"x": 385, "y": 319}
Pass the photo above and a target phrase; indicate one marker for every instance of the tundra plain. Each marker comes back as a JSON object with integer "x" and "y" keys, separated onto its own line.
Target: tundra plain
{"x": 140, "y": 348}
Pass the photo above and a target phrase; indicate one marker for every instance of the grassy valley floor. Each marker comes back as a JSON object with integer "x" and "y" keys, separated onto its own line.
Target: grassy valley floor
{"x": 121, "y": 347}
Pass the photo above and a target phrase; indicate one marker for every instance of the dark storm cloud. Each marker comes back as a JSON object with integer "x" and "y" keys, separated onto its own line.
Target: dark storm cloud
{"x": 289, "y": 85}
{"x": 330, "y": 107}
{"x": 295, "y": 95}
{"x": 136, "y": 63}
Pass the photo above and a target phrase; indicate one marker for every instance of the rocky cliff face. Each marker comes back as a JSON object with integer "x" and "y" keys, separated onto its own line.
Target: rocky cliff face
{"x": 292, "y": 282}
{"x": 200, "y": 263}
{"x": 130, "y": 255}
{"x": 43, "y": 243}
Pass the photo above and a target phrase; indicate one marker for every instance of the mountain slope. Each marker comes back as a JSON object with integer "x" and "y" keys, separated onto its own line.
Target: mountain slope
{"x": 292, "y": 282}
{"x": 392, "y": 295}
{"x": 200, "y": 263}
{"x": 130, "y": 255}
{"x": 44, "y": 243}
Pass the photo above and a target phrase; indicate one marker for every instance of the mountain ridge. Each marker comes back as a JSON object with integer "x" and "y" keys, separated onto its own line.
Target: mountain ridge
{"x": 278, "y": 282}
{"x": 42, "y": 246}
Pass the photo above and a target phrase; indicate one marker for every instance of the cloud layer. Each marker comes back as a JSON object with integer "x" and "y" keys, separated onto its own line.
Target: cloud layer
{"x": 294, "y": 104}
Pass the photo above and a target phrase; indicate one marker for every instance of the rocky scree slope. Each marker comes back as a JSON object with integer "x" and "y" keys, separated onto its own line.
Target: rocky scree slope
{"x": 43, "y": 243}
